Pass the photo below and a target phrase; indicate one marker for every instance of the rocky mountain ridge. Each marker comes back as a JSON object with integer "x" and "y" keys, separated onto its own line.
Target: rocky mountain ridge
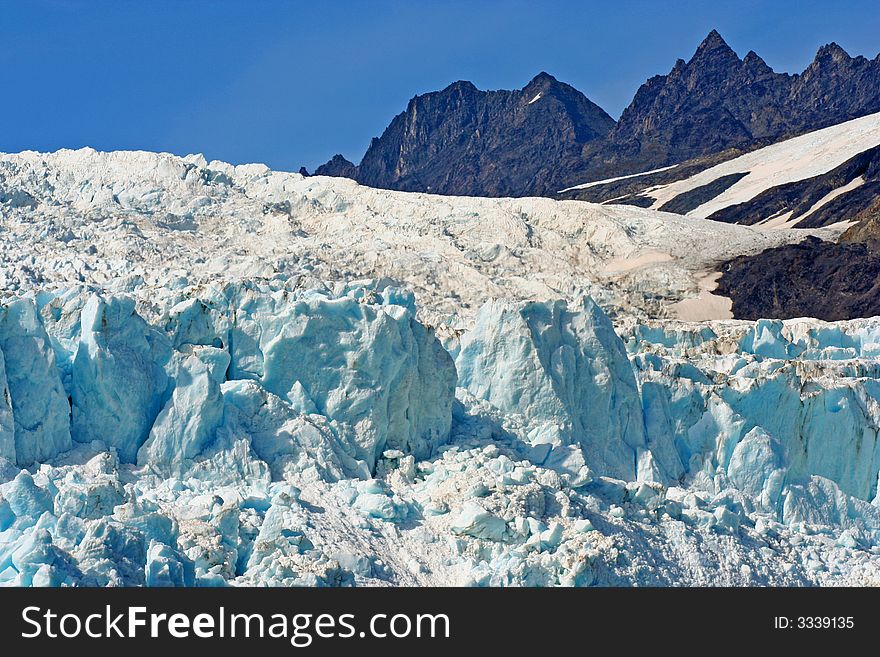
{"x": 469, "y": 142}
{"x": 547, "y": 136}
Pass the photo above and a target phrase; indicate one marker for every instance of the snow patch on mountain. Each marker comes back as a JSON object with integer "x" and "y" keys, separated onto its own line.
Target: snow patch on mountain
{"x": 855, "y": 183}
{"x": 596, "y": 183}
{"x": 785, "y": 162}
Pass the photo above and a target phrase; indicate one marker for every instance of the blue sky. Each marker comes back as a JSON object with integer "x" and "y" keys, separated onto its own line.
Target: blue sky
{"x": 292, "y": 83}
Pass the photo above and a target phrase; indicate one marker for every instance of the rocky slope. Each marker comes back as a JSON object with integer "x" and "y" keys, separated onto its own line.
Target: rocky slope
{"x": 465, "y": 141}
{"x": 811, "y": 279}
{"x": 867, "y": 227}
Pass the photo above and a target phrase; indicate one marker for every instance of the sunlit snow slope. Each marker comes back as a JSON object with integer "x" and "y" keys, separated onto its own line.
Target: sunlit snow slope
{"x": 785, "y": 162}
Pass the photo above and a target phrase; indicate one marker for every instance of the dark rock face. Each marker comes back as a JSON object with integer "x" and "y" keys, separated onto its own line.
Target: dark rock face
{"x": 717, "y": 101}
{"x": 337, "y": 166}
{"x": 867, "y": 228}
{"x": 811, "y": 279}
{"x": 485, "y": 143}
{"x": 834, "y": 88}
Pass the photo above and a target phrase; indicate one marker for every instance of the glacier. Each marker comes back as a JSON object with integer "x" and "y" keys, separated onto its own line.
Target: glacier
{"x": 217, "y": 375}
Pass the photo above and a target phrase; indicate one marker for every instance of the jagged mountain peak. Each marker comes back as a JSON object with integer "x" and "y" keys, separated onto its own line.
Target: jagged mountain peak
{"x": 466, "y": 141}
{"x": 541, "y": 83}
{"x": 754, "y": 60}
{"x": 542, "y": 78}
{"x": 714, "y": 38}
{"x": 716, "y": 101}
{"x": 714, "y": 47}
{"x": 460, "y": 85}
{"x": 833, "y": 52}
{"x": 679, "y": 66}
{"x": 545, "y": 84}
{"x": 339, "y": 166}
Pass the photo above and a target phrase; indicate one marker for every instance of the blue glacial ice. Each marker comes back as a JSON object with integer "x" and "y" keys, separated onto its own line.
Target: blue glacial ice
{"x": 40, "y": 410}
{"x": 566, "y": 371}
{"x": 293, "y": 433}
{"x": 118, "y": 380}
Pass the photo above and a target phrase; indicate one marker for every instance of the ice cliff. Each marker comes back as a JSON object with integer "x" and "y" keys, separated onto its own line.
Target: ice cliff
{"x": 85, "y": 368}
{"x": 567, "y": 372}
{"x": 286, "y": 434}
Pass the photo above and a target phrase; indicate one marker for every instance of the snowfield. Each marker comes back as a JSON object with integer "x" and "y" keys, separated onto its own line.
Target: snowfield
{"x": 596, "y": 183}
{"x": 222, "y": 375}
{"x": 785, "y": 162}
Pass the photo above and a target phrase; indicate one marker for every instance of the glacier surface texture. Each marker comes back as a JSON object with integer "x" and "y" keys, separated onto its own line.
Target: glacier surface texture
{"x": 216, "y": 375}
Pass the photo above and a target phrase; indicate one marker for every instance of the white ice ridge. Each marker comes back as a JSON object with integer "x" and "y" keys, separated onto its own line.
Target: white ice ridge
{"x": 785, "y": 162}
{"x": 199, "y": 387}
{"x": 111, "y": 218}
